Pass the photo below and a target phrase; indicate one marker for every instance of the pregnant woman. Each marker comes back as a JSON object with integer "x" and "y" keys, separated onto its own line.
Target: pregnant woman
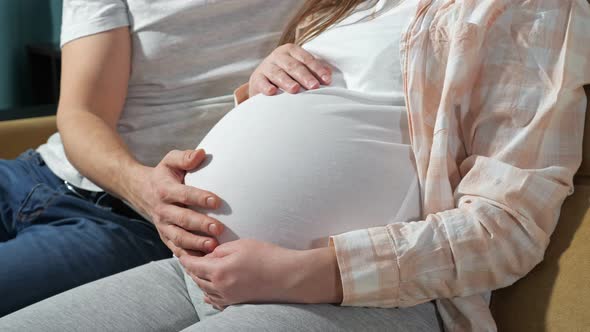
{"x": 428, "y": 169}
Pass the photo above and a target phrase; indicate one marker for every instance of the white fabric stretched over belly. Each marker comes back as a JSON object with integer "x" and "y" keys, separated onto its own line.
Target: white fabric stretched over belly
{"x": 295, "y": 169}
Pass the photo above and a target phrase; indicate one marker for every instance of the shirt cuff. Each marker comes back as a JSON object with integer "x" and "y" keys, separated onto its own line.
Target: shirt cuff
{"x": 241, "y": 94}
{"x": 368, "y": 268}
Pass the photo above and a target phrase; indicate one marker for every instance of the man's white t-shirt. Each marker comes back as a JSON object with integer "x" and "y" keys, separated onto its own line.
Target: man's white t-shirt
{"x": 188, "y": 56}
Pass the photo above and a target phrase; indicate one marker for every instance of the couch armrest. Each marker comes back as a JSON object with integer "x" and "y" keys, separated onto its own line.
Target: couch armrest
{"x": 17, "y": 136}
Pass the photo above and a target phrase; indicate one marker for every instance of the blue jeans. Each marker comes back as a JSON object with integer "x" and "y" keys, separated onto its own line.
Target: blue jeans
{"x": 51, "y": 240}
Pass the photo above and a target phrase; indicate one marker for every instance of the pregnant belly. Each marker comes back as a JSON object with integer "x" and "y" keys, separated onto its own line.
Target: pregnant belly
{"x": 295, "y": 169}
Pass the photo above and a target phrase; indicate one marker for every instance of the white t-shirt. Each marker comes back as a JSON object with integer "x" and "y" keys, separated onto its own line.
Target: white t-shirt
{"x": 364, "y": 50}
{"x": 188, "y": 56}
{"x": 295, "y": 169}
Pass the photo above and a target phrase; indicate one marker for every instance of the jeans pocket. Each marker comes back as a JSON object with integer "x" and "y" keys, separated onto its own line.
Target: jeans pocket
{"x": 31, "y": 162}
{"x": 36, "y": 202}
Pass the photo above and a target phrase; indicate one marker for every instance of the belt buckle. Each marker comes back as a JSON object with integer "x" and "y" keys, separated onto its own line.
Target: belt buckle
{"x": 74, "y": 191}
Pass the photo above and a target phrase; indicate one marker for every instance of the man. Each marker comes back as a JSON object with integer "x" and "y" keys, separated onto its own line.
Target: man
{"x": 142, "y": 83}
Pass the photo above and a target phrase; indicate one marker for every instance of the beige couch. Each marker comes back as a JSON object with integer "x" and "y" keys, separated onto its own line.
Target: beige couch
{"x": 554, "y": 297}
{"x": 18, "y": 135}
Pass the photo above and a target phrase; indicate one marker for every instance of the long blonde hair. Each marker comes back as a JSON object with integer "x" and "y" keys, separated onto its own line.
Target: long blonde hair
{"x": 314, "y": 17}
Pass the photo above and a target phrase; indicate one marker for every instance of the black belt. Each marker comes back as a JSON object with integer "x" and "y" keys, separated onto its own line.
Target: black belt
{"x": 105, "y": 200}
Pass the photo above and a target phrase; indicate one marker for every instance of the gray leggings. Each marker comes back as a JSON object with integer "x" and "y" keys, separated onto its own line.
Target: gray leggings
{"x": 154, "y": 297}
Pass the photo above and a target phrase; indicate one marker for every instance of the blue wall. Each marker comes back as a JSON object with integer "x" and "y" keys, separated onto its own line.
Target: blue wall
{"x": 23, "y": 22}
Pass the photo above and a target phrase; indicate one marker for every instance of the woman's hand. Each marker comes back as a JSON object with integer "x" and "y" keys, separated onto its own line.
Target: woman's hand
{"x": 250, "y": 271}
{"x": 289, "y": 67}
{"x": 163, "y": 196}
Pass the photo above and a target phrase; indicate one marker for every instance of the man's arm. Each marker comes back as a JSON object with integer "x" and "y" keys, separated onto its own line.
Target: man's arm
{"x": 95, "y": 76}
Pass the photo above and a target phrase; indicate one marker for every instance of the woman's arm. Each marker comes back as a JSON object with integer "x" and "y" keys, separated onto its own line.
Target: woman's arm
{"x": 95, "y": 75}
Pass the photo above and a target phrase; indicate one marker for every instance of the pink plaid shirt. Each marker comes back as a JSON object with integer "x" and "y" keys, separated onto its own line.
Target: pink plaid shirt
{"x": 494, "y": 91}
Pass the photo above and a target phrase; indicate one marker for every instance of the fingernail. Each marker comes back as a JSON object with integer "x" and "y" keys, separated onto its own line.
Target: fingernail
{"x": 208, "y": 244}
{"x": 213, "y": 229}
{"x": 190, "y": 155}
{"x": 313, "y": 85}
{"x": 211, "y": 202}
{"x": 326, "y": 78}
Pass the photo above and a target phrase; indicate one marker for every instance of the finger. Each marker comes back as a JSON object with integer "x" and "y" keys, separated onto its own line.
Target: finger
{"x": 190, "y": 220}
{"x": 189, "y": 196}
{"x": 209, "y": 301}
{"x": 176, "y": 251}
{"x": 217, "y": 303}
{"x": 260, "y": 84}
{"x": 320, "y": 69}
{"x": 195, "y": 278}
{"x": 200, "y": 267}
{"x": 297, "y": 70}
{"x": 215, "y": 299}
{"x": 184, "y": 160}
{"x": 277, "y": 76}
{"x": 206, "y": 286}
{"x": 222, "y": 250}
{"x": 179, "y": 252}
{"x": 219, "y": 307}
{"x": 188, "y": 241}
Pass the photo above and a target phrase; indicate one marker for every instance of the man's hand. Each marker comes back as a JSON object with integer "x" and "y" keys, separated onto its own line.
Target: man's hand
{"x": 289, "y": 67}
{"x": 163, "y": 196}
{"x": 250, "y": 271}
